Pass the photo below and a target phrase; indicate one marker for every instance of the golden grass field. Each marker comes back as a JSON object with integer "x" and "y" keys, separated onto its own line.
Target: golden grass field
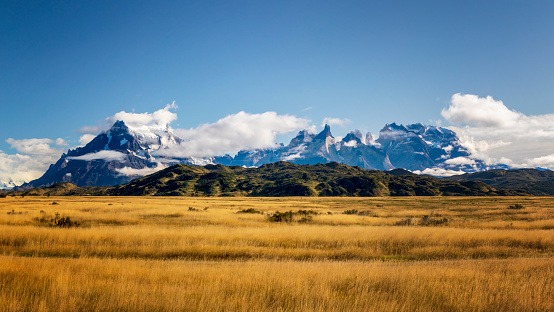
{"x": 200, "y": 254}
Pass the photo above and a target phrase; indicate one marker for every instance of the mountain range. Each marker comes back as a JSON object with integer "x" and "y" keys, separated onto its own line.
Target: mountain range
{"x": 281, "y": 179}
{"x": 123, "y": 153}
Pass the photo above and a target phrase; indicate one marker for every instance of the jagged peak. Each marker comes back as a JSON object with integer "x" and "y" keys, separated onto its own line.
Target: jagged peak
{"x": 353, "y": 136}
{"x": 119, "y": 127}
{"x": 369, "y": 139}
{"x": 325, "y": 133}
{"x": 393, "y": 127}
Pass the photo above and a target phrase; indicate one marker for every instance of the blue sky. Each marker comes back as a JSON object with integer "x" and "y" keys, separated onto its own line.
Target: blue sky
{"x": 69, "y": 64}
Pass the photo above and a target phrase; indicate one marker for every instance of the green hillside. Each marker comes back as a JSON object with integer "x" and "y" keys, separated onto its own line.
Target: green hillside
{"x": 536, "y": 182}
{"x": 287, "y": 179}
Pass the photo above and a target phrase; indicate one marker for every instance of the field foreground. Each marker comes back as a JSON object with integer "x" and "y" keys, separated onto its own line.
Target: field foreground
{"x": 232, "y": 254}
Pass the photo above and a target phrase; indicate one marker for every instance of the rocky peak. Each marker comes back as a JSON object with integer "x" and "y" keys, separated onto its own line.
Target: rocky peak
{"x": 323, "y": 135}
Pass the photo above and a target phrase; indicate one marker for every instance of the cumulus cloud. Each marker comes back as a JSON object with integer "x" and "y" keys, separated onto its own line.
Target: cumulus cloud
{"x": 158, "y": 119}
{"x": 439, "y": 172}
{"x": 132, "y": 172}
{"x": 496, "y": 134}
{"x": 35, "y": 146}
{"x": 105, "y": 155}
{"x": 233, "y": 133}
{"x": 351, "y": 143}
{"x": 18, "y": 169}
{"x": 460, "y": 161}
{"x": 543, "y": 161}
{"x": 483, "y": 112}
{"x": 61, "y": 142}
{"x": 335, "y": 121}
{"x": 86, "y": 138}
{"x": 32, "y": 159}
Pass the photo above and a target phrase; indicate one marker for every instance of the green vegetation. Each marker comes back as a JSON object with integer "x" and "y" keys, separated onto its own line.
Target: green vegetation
{"x": 249, "y": 210}
{"x": 536, "y": 182}
{"x": 286, "y": 179}
{"x": 282, "y": 179}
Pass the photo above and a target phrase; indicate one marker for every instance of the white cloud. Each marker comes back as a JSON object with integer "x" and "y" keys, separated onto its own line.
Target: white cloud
{"x": 61, "y": 142}
{"x": 543, "y": 161}
{"x": 335, "y": 121}
{"x": 34, "y": 146}
{"x": 439, "y": 172}
{"x": 105, "y": 155}
{"x": 86, "y": 138}
{"x": 233, "y": 133}
{"x": 158, "y": 119}
{"x": 351, "y": 143}
{"x": 32, "y": 159}
{"x": 18, "y": 169}
{"x": 484, "y": 112}
{"x": 132, "y": 172}
{"x": 494, "y": 133}
{"x": 90, "y": 129}
{"x": 460, "y": 161}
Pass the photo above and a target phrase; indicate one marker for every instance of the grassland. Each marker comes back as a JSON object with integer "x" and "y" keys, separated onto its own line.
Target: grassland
{"x": 192, "y": 254}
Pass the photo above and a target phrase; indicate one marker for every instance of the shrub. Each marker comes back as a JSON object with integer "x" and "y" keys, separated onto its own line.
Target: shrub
{"x": 307, "y": 212}
{"x": 58, "y": 221}
{"x": 365, "y": 213}
{"x": 351, "y": 212}
{"x": 64, "y": 222}
{"x": 306, "y": 219}
{"x": 3, "y": 195}
{"x": 282, "y": 216}
{"x": 516, "y": 206}
{"x": 404, "y": 222}
{"x": 249, "y": 210}
{"x": 430, "y": 221}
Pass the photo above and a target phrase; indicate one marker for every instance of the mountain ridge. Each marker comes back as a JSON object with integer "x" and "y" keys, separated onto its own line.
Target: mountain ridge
{"x": 282, "y": 179}
{"x": 123, "y": 153}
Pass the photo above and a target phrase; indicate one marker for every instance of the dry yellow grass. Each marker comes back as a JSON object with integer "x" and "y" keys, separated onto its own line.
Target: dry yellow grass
{"x": 175, "y": 254}
{"x": 85, "y": 284}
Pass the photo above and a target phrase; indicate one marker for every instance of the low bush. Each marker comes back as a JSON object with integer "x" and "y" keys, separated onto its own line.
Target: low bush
{"x": 301, "y": 216}
{"x": 516, "y": 206}
{"x": 58, "y": 221}
{"x": 404, "y": 222}
{"x": 306, "y": 212}
{"x": 282, "y": 216}
{"x": 249, "y": 210}
{"x": 430, "y": 221}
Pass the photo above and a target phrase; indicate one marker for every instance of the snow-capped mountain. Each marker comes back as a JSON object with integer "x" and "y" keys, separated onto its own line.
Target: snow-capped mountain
{"x": 124, "y": 153}
{"x": 413, "y": 147}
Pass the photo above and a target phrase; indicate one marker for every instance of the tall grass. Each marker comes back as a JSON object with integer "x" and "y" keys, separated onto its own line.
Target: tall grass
{"x": 298, "y": 242}
{"x": 85, "y": 284}
{"x": 191, "y": 254}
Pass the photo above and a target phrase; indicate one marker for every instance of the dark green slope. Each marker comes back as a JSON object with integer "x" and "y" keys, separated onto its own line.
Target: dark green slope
{"x": 287, "y": 179}
{"x": 536, "y": 182}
